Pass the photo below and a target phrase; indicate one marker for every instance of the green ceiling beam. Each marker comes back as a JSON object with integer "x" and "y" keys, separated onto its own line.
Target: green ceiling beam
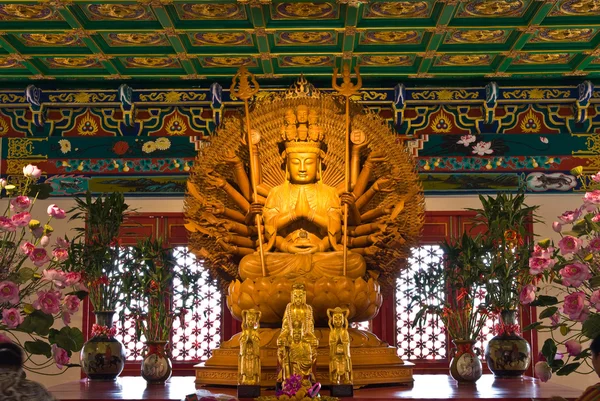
{"x": 348, "y": 41}
{"x": 439, "y": 32}
{"x": 31, "y": 67}
{"x": 262, "y": 42}
{"x": 165, "y": 21}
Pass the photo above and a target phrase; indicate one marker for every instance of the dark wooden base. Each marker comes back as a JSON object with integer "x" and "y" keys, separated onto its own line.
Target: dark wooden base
{"x": 341, "y": 390}
{"x": 246, "y": 391}
{"x": 426, "y": 388}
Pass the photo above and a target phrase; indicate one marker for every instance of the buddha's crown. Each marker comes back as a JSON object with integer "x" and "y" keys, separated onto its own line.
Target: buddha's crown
{"x": 302, "y": 131}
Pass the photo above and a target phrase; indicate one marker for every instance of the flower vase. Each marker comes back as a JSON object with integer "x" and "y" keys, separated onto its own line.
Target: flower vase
{"x": 156, "y": 366}
{"x": 508, "y": 354}
{"x": 103, "y": 356}
{"x": 465, "y": 366}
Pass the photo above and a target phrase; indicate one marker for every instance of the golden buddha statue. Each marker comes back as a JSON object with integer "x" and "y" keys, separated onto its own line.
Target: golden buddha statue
{"x": 249, "y": 358}
{"x": 340, "y": 363}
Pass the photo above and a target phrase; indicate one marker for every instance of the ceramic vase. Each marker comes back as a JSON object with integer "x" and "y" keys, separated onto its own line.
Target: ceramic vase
{"x": 465, "y": 366}
{"x": 508, "y": 354}
{"x": 103, "y": 356}
{"x": 156, "y": 366}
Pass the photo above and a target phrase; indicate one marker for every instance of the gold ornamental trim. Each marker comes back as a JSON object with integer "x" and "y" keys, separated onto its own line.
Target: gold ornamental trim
{"x": 173, "y": 97}
{"x": 82, "y": 97}
{"x": 444, "y": 94}
{"x": 536, "y": 93}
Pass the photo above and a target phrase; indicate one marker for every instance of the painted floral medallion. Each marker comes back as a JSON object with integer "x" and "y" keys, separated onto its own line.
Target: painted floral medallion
{"x": 125, "y": 12}
{"x": 464, "y": 60}
{"x": 391, "y": 37}
{"x": 577, "y": 7}
{"x": 304, "y": 10}
{"x": 306, "y": 38}
{"x": 27, "y": 12}
{"x": 151, "y": 62}
{"x": 136, "y": 39}
{"x": 494, "y": 8}
{"x": 397, "y": 9}
{"x": 221, "y": 39}
{"x": 543, "y": 58}
{"x": 7, "y": 62}
{"x": 72, "y": 62}
{"x": 228, "y": 62}
{"x": 386, "y": 60}
{"x": 50, "y": 39}
{"x": 564, "y": 35}
{"x": 477, "y": 36}
{"x": 302, "y": 61}
{"x": 229, "y": 11}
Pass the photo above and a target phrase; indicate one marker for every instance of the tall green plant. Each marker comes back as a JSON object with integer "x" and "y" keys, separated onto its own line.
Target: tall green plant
{"x": 507, "y": 219}
{"x": 96, "y": 251}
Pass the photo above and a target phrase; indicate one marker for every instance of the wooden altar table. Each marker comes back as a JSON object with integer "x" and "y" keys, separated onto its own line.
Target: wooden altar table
{"x": 426, "y": 388}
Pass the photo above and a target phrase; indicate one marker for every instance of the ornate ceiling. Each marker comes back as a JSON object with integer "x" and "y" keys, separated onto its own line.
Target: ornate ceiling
{"x": 171, "y": 39}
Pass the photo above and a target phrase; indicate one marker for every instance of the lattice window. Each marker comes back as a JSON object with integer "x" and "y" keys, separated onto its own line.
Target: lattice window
{"x": 429, "y": 341}
{"x": 487, "y": 331}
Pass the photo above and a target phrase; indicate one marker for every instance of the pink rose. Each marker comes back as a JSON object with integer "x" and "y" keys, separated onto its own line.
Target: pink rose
{"x": 9, "y": 292}
{"x": 66, "y": 318}
{"x": 594, "y": 244}
{"x": 56, "y": 277}
{"x": 4, "y": 339}
{"x": 575, "y": 274}
{"x": 11, "y": 318}
{"x": 555, "y": 319}
{"x": 73, "y": 278}
{"x": 39, "y": 256}
{"x": 569, "y": 216}
{"x": 48, "y": 302}
{"x": 61, "y": 357}
{"x": 61, "y": 242}
{"x": 595, "y": 299}
{"x": 56, "y": 212}
{"x": 6, "y": 224}
{"x": 596, "y": 218}
{"x": 72, "y": 303}
{"x": 32, "y": 171}
{"x": 543, "y": 371}
{"x": 573, "y": 347}
{"x": 574, "y": 306}
{"x": 592, "y": 197}
{"x": 556, "y": 226}
{"x": 21, "y": 219}
{"x": 20, "y": 203}
{"x": 569, "y": 244}
{"x": 60, "y": 254}
{"x": 27, "y": 248}
{"x": 538, "y": 265}
{"x": 541, "y": 252}
{"x": 527, "y": 294}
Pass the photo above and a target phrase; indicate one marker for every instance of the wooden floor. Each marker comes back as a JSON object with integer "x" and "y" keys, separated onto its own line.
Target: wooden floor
{"x": 426, "y": 387}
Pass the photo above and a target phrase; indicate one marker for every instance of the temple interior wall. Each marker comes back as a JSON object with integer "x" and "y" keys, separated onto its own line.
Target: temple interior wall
{"x": 550, "y": 207}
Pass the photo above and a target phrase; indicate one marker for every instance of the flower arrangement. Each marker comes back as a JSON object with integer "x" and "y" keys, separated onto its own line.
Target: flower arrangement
{"x": 564, "y": 278}
{"x": 150, "y": 294}
{"x": 96, "y": 251}
{"x": 449, "y": 289}
{"x": 35, "y": 290}
{"x": 506, "y": 218}
{"x": 293, "y": 389}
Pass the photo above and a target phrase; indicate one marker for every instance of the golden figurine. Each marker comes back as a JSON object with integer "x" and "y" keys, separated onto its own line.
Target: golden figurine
{"x": 297, "y": 344}
{"x": 249, "y": 358}
{"x": 340, "y": 364}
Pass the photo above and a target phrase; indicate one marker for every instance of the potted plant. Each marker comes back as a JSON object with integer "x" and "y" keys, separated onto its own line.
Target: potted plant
{"x": 157, "y": 292}
{"x": 96, "y": 254}
{"x": 35, "y": 290}
{"x": 449, "y": 290}
{"x": 564, "y": 278}
{"x": 506, "y": 218}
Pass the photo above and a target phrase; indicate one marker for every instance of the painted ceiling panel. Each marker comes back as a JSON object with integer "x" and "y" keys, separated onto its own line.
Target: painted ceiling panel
{"x": 184, "y": 39}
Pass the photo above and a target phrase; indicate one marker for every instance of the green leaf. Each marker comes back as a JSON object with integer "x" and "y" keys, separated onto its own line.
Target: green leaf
{"x": 564, "y": 329}
{"x": 38, "y": 347}
{"x": 583, "y": 354}
{"x": 591, "y": 327}
{"x": 80, "y": 294}
{"x": 544, "y": 300}
{"x": 532, "y": 326}
{"x": 25, "y": 274}
{"x": 549, "y": 350}
{"x": 68, "y": 338}
{"x": 37, "y": 322}
{"x": 568, "y": 369}
{"x": 548, "y": 312}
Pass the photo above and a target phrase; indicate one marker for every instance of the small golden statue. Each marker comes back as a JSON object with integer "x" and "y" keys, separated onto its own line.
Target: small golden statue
{"x": 249, "y": 358}
{"x": 340, "y": 364}
{"x": 297, "y": 344}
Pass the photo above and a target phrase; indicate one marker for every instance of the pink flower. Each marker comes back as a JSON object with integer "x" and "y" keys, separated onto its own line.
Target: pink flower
{"x": 596, "y": 177}
{"x": 32, "y": 171}
{"x": 39, "y": 256}
{"x": 594, "y": 244}
{"x": 569, "y": 216}
{"x": 592, "y": 197}
{"x": 27, "y": 248}
{"x": 575, "y": 274}
{"x": 573, "y": 347}
{"x": 56, "y": 212}
{"x": 61, "y": 357}
{"x": 56, "y": 277}
{"x": 72, "y": 303}
{"x": 9, "y": 292}
{"x": 596, "y": 218}
{"x": 21, "y": 219}
{"x": 11, "y": 318}
{"x": 6, "y": 224}
{"x": 556, "y": 226}
{"x": 555, "y": 319}
{"x": 20, "y": 203}
{"x": 541, "y": 252}
{"x": 574, "y": 305}
{"x": 482, "y": 148}
{"x": 4, "y": 339}
{"x": 569, "y": 244}
{"x": 44, "y": 241}
{"x": 595, "y": 299}
{"x": 466, "y": 140}
{"x": 543, "y": 371}
{"x": 73, "y": 278}
{"x": 60, "y": 254}
{"x": 61, "y": 242}
{"x": 538, "y": 265}
{"x": 48, "y": 302}
{"x": 527, "y": 294}
{"x": 66, "y": 318}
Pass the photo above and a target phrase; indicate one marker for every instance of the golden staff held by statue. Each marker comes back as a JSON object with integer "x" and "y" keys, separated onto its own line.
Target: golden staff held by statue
{"x": 245, "y": 91}
{"x": 346, "y": 89}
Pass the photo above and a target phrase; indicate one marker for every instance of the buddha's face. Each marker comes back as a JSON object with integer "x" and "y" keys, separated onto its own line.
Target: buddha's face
{"x": 302, "y": 113}
{"x": 337, "y": 320}
{"x": 302, "y": 167}
{"x": 296, "y": 335}
{"x": 297, "y": 297}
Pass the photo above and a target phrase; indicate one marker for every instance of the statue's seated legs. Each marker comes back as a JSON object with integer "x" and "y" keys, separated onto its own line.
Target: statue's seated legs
{"x": 315, "y": 265}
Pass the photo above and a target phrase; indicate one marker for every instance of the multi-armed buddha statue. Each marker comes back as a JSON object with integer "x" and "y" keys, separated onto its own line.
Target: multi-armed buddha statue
{"x": 265, "y": 210}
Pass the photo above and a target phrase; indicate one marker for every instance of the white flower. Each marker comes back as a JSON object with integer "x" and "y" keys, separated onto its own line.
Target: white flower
{"x": 543, "y": 139}
{"x": 65, "y": 146}
{"x": 32, "y": 171}
{"x": 466, "y": 140}
{"x": 483, "y": 148}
